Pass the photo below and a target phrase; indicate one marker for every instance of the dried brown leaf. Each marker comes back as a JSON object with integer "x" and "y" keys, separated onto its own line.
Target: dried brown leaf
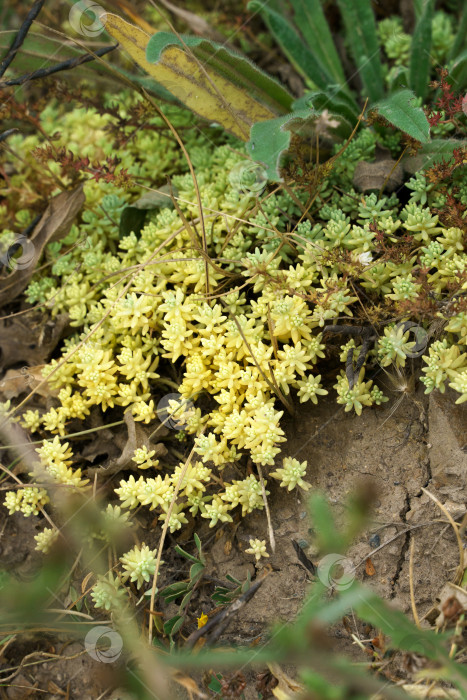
{"x": 287, "y": 687}
{"x": 136, "y": 435}
{"x": 197, "y": 24}
{"x": 452, "y": 604}
{"x": 29, "y": 340}
{"x": 190, "y": 686}
{"x": 24, "y": 380}
{"x": 384, "y": 169}
{"x": 369, "y": 568}
{"x": 55, "y": 223}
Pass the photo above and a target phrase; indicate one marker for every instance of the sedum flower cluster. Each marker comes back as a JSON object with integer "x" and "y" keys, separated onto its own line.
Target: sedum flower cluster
{"x": 258, "y": 548}
{"x": 28, "y": 501}
{"x": 237, "y": 303}
{"x": 108, "y": 592}
{"x": 139, "y": 565}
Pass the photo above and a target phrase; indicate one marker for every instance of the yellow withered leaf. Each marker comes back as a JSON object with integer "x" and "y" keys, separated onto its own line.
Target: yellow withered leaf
{"x": 205, "y": 92}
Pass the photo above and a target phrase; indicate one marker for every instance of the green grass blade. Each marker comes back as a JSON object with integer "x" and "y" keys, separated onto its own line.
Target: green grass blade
{"x": 362, "y": 37}
{"x": 458, "y": 72}
{"x": 301, "y": 57}
{"x": 309, "y": 18}
{"x": 461, "y": 36}
{"x": 420, "y": 62}
{"x": 418, "y": 8}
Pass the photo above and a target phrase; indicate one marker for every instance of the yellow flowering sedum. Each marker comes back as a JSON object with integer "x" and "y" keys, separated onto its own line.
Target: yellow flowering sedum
{"x": 143, "y": 458}
{"x": 28, "y": 501}
{"x": 238, "y": 336}
{"x": 459, "y": 384}
{"x": 258, "y": 548}
{"x": 291, "y": 474}
{"x": 45, "y": 539}
{"x": 139, "y": 565}
{"x": 108, "y": 593}
{"x": 55, "y": 460}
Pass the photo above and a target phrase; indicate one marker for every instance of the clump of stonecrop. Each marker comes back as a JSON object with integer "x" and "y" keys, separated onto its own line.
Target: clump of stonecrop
{"x": 397, "y": 45}
{"x": 244, "y": 325}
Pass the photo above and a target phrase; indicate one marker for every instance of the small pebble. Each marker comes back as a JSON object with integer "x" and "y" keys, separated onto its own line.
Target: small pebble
{"x": 375, "y": 540}
{"x": 303, "y": 544}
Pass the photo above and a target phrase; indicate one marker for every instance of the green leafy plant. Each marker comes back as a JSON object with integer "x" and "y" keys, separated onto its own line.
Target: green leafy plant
{"x": 224, "y": 595}
{"x": 183, "y": 589}
{"x": 307, "y": 41}
{"x": 191, "y": 67}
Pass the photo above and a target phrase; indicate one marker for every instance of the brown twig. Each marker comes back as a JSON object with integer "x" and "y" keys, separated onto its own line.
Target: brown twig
{"x": 412, "y": 591}
{"x": 20, "y": 36}
{"x": 64, "y": 65}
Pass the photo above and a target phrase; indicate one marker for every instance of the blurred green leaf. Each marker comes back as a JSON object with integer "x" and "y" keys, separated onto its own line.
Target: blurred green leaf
{"x": 131, "y": 220}
{"x": 461, "y": 36}
{"x": 174, "y": 624}
{"x": 310, "y": 19}
{"x": 299, "y": 54}
{"x": 328, "y": 538}
{"x": 215, "y": 684}
{"x": 458, "y": 71}
{"x": 420, "y": 58}
{"x": 362, "y": 37}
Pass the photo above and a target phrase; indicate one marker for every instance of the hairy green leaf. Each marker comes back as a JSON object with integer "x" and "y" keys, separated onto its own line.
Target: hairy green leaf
{"x": 399, "y": 79}
{"x": 196, "y": 571}
{"x": 186, "y": 600}
{"x": 333, "y": 99}
{"x": 270, "y": 139}
{"x": 400, "y": 111}
{"x": 185, "y": 554}
{"x": 433, "y": 152}
{"x": 337, "y": 104}
{"x": 198, "y": 544}
{"x": 198, "y": 85}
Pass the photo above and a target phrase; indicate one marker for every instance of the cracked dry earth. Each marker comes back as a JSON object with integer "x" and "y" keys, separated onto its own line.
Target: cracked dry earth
{"x": 402, "y": 446}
